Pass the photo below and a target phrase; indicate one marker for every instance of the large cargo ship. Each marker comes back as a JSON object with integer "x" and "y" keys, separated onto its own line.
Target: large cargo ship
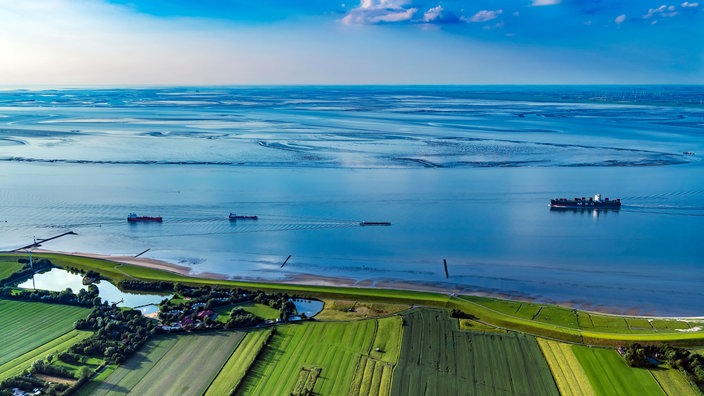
{"x": 133, "y": 218}
{"x": 586, "y": 203}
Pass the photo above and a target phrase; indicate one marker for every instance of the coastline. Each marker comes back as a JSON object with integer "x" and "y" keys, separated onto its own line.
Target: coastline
{"x": 332, "y": 281}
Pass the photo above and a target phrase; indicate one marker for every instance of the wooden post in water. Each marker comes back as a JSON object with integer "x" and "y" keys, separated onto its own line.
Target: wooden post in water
{"x": 286, "y": 261}
{"x": 447, "y": 275}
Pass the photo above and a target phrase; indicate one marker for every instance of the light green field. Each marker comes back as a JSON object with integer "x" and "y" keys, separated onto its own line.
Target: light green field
{"x": 374, "y": 372}
{"x": 569, "y": 376}
{"x": 610, "y": 375}
{"x": 8, "y": 266}
{"x": 45, "y": 322}
{"x": 241, "y": 359}
{"x": 438, "y": 359}
{"x": 296, "y": 350}
{"x": 673, "y": 382}
{"x": 172, "y": 365}
{"x": 261, "y": 310}
{"x": 60, "y": 344}
{"x": 356, "y": 310}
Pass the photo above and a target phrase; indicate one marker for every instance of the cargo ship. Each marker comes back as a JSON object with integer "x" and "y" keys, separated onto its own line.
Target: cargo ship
{"x": 594, "y": 202}
{"x": 374, "y": 223}
{"x": 233, "y": 216}
{"x": 133, "y": 218}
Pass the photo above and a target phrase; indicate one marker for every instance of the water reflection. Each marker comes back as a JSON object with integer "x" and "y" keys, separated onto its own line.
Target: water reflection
{"x": 308, "y": 307}
{"x": 58, "y": 279}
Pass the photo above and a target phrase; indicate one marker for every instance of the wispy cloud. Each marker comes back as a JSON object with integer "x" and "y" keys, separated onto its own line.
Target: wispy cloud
{"x": 620, "y": 19}
{"x": 538, "y": 3}
{"x": 433, "y": 14}
{"x": 485, "y": 15}
{"x": 662, "y": 11}
{"x": 687, "y": 4}
{"x": 371, "y": 12}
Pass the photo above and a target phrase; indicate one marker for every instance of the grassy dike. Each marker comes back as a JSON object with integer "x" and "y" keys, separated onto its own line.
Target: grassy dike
{"x": 565, "y": 324}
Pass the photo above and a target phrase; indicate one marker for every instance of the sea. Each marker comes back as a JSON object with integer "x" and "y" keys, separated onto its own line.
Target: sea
{"x": 463, "y": 174}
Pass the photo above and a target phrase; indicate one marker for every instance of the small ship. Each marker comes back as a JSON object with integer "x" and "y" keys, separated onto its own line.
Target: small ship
{"x": 586, "y": 203}
{"x": 233, "y": 216}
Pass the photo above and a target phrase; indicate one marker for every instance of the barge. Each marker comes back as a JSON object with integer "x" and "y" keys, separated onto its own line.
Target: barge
{"x": 595, "y": 202}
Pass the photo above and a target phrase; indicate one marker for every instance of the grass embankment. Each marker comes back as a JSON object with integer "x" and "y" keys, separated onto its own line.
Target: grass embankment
{"x": 172, "y": 365}
{"x": 45, "y": 322}
{"x": 439, "y": 359}
{"x": 538, "y": 319}
{"x": 8, "y": 266}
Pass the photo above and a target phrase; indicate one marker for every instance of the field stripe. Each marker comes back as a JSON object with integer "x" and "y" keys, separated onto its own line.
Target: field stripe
{"x": 567, "y": 372}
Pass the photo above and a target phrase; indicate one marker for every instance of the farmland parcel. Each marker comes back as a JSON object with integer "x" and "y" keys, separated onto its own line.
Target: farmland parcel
{"x": 437, "y": 358}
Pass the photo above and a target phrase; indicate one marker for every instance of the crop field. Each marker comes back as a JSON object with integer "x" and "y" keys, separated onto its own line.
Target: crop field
{"x": 172, "y": 365}
{"x": 566, "y": 370}
{"x": 241, "y": 359}
{"x": 437, "y": 358}
{"x": 374, "y": 372}
{"x": 60, "y": 344}
{"x": 45, "y": 322}
{"x": 330, "y": 352}
{"x": 610, "y": 375}
{"x": 673, "y": 382}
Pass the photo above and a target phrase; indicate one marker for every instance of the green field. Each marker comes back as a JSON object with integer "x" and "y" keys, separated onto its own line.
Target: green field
{"x": 438, "y": 359}
{"x": 8, "y": 266}
{"x": 327, "y": 353}
{"x": 673, "y": 382}
{"x": 60, "y": 344}
{"x": 610, "y": 375}
{"x": 45, "y": 322}
{"x": 241, "y": 359}
{"x": 569, "y": 376}
{"x": 172, "y": 365}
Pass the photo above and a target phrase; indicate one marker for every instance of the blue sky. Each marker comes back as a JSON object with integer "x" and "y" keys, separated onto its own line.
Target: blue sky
{"x": 208, "y": 42}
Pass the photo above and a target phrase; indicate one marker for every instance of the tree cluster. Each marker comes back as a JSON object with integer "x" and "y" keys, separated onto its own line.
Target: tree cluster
{"x": 689, "y": 362}
{"x": 84, "y": 298}
{"x": 118, "y": 333}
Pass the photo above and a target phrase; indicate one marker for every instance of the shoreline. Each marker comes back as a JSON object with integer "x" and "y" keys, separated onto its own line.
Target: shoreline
{"x": 332, "y": 281}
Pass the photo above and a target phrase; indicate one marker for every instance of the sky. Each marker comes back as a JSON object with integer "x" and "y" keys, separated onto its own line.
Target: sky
{"x": 218, "y": 42}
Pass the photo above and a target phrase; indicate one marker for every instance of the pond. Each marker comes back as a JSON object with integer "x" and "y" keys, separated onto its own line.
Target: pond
{"x": 308, "y": 307}
{"x": 58, "y": 279}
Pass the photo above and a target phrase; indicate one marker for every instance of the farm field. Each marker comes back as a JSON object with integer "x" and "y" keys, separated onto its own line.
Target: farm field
{"x": 610, "y": 375}
{"x": 355, "y": 310}
{"x": 673, "y": 382}
{"x": 45, "y": 322}
{"x": 566, "y": 370}
{"x": 62, "y": 343}
{"x": 181, "y": 364}
{"x": 261, "y": 310}
{"x": 241, "y": 359}
{"x": 319, "y": 357}
{"x": 437, "y": 358}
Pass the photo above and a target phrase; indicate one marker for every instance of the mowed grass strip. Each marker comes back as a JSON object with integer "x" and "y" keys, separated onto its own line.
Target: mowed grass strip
{"x": 565, "y": 368}
{"x": 610, "y": 375}
{"x": 45, "y": 322}
{"x": 241, "y": 359}
{"x": 60, "y": 344}
{"x": 333, "y": 347}
{"x": 173, "y": 365}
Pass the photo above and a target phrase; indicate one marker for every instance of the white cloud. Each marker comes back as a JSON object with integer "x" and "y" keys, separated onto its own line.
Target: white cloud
{"x": 620, "y": 19}
{"x": 433, "y": 14}
{"x": 538, "y": 3}
{"x": 661, "y": 11}
{"x": 687, "y": 4}
{"x": 485, "y": 15}
{"x": 372, "y": 12}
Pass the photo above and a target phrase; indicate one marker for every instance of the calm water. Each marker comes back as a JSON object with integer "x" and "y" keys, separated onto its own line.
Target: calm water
{"x": 463, "y": 174}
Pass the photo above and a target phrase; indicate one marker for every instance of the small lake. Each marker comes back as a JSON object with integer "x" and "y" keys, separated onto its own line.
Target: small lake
{"x": 58, "y": 279}
{"x": 308, "y": 307}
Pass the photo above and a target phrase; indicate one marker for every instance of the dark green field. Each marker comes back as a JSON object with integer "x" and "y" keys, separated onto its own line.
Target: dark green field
{"x": 438, "y": 359}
